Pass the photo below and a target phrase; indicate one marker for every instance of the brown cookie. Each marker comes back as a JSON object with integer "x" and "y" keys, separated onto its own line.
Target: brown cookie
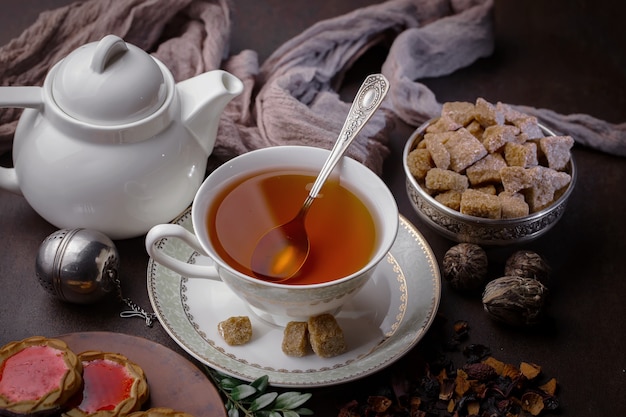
{"x": 37, "y": 376}
{"x": 113, "y": 386}
{"x": 160, "y": 412}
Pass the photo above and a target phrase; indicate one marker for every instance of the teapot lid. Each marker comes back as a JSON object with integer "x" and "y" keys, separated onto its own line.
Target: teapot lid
{"x": 109, "y": 82}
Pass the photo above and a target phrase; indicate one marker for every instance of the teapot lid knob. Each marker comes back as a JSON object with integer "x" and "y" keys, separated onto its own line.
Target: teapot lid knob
{"x": 109, "y": 82}
{"x": 106, "y": 50}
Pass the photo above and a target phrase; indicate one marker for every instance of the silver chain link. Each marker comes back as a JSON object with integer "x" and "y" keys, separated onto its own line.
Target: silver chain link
{"x": 135, "y": 309}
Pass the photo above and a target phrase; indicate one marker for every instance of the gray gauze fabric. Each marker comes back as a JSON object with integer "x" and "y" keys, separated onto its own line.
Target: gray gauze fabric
{"x": 291, "y": 97}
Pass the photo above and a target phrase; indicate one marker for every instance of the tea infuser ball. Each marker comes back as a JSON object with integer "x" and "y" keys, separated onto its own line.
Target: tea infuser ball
{"x": 77, "y": 265}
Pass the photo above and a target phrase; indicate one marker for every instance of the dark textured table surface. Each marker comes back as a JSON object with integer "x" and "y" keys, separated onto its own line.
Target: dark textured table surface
{"x": 563, "y": 55}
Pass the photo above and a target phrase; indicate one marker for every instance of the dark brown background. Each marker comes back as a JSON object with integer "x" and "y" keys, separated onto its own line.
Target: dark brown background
{"x": 560, "y": 54}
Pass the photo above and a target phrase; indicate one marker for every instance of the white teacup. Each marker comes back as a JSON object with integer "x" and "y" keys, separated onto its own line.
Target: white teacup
{"x": 280, "y": 303}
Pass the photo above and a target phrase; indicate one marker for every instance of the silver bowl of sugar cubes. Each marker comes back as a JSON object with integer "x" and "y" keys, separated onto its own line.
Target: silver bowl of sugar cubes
{"x": 488, "y": 174}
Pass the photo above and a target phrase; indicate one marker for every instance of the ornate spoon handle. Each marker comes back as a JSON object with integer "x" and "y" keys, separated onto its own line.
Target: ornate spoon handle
{"x": 367, "y": 100}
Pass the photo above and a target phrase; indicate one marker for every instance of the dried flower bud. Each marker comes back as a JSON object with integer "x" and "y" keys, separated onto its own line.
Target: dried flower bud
{"x": 515, "y": 300}
{"x": 465, "y": 266}
{"x": 527, "y": 264}
{"x": 480, "y": 371}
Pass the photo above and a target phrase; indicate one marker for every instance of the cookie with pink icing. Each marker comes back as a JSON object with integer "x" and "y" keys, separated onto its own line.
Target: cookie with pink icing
{"x": 37, "y": 376}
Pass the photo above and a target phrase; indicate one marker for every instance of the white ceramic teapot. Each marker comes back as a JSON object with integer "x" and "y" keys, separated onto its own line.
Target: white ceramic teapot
{"x": 110, "y": 142}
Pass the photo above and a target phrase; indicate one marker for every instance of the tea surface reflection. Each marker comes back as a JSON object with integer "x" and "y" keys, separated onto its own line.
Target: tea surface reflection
{"x": 341, "y": 229}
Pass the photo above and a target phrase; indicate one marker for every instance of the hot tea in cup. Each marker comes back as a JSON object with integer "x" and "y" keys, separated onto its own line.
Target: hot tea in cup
{"x": 341, "y": 230}
{"x": 351, "y": 226}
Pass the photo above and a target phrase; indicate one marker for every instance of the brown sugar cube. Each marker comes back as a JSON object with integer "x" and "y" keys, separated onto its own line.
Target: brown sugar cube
{"x": 419, "y": 162}
{"x": 461, "y": 112}
{"x": 487, "y": 189}
{"x": 296, "y": 339}
{"x": 513, "y": 205}
{"x": 236, "y": 330}
{"x": 450, "y": 199}
{"x": 527, "y": 124}
{"x": 438, "y": 179}
{"x": 521, "y": 155}
{"x": 510, "y": 113}
{"x": 495, "y": 137}
{"x": 515, "y": 179}
{"x": 522, "y": 138}
{"x": 478, "y": 204}
{"x": 325, "y": 336}
{"x": 438, "y": 152}
{"x": 464, "y": 149}
{"x": 486, "y": 170}
{"x": 475, "y": 129}
{"x": 443, "y": 124}
{"x": 556, "y": 150}
{"x": 487, "y": 114}
{"x": 545, "y": 182}
{"x": 421, "y": 144}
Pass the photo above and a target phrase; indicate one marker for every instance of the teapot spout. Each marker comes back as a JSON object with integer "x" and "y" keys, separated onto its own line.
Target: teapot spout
{"x": 203, "y": 98}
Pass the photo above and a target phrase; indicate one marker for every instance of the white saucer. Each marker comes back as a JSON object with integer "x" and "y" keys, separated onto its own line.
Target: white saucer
{"x": 390, "y": 314}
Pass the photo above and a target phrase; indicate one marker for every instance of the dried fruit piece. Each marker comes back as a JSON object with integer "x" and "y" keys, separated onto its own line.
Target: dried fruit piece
{"x": 549, "y": 387}
{"x": 529, "y": 370}
{"x": 465, "y": 266}
{"x": 462, "y": 384}
{"x": 495, "y": 364}
{"x": 514, "y": 300}
{"x": 446, "y": 389}
{"x": 460, "y": 328}
{"x": 532, "y": 402}
{"x": 473, "y": 407}
{"x": 379, "y": 403}
{"x": 510, "y": 371}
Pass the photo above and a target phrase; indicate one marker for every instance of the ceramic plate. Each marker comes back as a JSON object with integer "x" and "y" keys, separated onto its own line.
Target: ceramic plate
{"x": 388, "y": 316}
{"x": 174, "y": 381}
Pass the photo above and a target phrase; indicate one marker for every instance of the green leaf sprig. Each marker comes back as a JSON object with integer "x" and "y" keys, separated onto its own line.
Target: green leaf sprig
{"x": 252, "y": 400}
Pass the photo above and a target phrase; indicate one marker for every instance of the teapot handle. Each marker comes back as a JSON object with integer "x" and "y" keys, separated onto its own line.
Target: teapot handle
{"x": 29, "y": 97}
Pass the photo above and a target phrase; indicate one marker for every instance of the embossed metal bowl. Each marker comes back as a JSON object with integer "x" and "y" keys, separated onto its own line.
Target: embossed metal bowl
{"x": 461, "y": 227}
